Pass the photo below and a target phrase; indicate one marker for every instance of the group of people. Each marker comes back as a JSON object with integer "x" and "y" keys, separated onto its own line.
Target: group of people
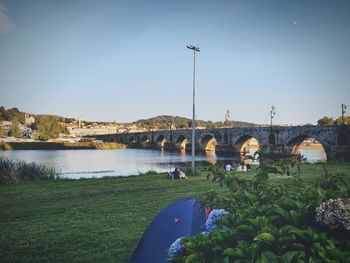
{"x": 241, "y": 167}
{"x": 178, "y": 173}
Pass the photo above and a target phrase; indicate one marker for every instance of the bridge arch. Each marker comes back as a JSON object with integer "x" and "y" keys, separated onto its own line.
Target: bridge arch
{"x": 144, "y": 139}
{"x": 132, "y": 139}
{"x": 208, "y": 142}
{"x": 247, "y": 144}
{"x": 181, "y": 142}
{"x": 161, "y": 140}
{"x": 304, "y": 142}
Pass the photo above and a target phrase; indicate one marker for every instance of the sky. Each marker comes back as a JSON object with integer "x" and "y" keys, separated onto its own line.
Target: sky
{"x": 121, "y": 61}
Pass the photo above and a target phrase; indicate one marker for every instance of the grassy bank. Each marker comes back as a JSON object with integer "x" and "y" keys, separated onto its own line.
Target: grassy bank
{"x": 60, "y": 145}
{"x": 95, "y": 220}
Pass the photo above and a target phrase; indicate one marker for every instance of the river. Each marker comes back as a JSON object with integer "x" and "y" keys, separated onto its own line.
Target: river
{"x": 99, "y": 163}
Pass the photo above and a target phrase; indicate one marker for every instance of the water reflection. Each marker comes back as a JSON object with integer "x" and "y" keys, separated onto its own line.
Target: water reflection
{"x": 211, "y": 157}
{"x": 311, "y": 149}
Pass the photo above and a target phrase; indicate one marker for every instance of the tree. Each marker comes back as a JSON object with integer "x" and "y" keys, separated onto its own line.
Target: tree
{"x": 325, "y": 121}
{"x": 2, "y": 132}
{"x": 15, "y": 131}
{"x": 330, "y": 121}
{"x": 339, "y": 120}
{"x": 48, "y": 128}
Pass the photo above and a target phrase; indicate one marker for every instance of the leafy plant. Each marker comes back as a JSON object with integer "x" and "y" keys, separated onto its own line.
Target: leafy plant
{"x": 266, "y": 222}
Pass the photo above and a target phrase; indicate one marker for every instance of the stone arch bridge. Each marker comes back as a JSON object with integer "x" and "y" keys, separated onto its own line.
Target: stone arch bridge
{"x": 334, "y": 139}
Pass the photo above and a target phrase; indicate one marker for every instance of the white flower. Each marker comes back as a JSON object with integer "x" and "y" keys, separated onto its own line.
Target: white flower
{"x": 334, "y": 213}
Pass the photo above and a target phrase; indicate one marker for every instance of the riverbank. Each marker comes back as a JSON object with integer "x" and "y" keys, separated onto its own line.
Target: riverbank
{"x": 97, "y": 220}
{"x": 60, "y": 145}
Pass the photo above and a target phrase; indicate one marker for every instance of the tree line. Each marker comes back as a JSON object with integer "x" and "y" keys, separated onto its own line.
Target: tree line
{"x": 330, "y": 121}
{"x": 165, "y": 122}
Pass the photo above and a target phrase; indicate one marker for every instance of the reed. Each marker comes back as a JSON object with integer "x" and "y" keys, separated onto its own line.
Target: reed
{"x": 12, "y": 172}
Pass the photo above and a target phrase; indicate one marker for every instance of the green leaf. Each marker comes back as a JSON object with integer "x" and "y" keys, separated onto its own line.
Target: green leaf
{"x": 192, "y": 258}
{"x": 245, "y": 229}
{"x": 229, "y": 251}
{"x": 267, "y": 237}
{"x": 290, "y": 256}
{"x": 282, "y": 212}
{"x": 239, "y": 252}
{"x": 294, "y": 215}
{"x": 269, "y": 257}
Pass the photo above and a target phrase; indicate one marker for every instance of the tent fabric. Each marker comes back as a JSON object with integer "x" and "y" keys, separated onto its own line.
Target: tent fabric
{"x": 184, "y": 217}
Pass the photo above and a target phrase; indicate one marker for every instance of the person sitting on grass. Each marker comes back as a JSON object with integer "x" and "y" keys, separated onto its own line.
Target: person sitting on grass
{"x": 174, "y": 175}
{"x": 182, "y": 174}
{"x": 228, "y": 167}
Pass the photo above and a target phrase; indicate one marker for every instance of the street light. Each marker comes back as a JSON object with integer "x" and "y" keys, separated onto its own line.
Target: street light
{"x": 343, "y": 108}
{"x": 272, "y": 114}
{"x": 193, "y": 112}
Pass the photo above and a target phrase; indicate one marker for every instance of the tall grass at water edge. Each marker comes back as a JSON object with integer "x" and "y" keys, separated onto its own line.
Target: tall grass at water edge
{"x": 12, "y": 172}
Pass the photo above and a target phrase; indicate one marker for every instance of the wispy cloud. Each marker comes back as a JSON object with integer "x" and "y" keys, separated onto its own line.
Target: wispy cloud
{"x": 6, "y": 25}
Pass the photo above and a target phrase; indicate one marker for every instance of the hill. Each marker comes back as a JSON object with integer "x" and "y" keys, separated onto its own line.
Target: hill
{"x": 167, "y": 121}
{"x": 158, "y": 122}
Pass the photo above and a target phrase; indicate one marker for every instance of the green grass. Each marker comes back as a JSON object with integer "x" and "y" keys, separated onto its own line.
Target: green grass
{"x": 94, "y": 220}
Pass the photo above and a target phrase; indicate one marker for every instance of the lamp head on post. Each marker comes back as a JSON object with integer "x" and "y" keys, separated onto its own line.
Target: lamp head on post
{"x": 193, "y": 48}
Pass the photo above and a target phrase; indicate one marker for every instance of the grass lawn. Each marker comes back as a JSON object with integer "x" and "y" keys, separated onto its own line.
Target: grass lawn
{"x": 94, "y": 220}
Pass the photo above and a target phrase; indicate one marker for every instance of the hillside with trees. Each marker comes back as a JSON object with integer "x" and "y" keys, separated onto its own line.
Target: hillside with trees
{"x": 167, "y": 122}
{"x": 11, "y": 115}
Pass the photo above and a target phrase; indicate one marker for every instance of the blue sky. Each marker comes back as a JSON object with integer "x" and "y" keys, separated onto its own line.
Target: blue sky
{"x": 126, "y": 60}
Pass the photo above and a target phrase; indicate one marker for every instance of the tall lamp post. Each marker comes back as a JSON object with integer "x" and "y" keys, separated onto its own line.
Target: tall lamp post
{"x": 343, "y": 108}
{"x": 195, "y": 49}
{"x": 272, "y": 114}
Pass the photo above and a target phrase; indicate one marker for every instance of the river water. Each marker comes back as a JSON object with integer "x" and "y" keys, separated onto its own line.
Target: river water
{"x": 122, "y": 162}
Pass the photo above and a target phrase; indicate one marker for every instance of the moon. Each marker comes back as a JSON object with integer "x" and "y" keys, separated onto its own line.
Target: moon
{"x": 294, "y": 22}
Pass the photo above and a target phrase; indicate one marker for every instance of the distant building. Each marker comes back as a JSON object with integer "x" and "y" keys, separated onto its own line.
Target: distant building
{"x": 28, "y": 120}
{"x": 7, "y": 126}
{"x": 26, "y": 131}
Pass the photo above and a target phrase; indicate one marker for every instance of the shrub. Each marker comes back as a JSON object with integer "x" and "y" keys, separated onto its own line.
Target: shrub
{"x": 270, "y": 223}
{"x": 5, "y": 146}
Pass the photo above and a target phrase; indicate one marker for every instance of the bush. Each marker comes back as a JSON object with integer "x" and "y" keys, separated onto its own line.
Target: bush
{"x": 269, "y": 223}
{"x": 5, "y": 146}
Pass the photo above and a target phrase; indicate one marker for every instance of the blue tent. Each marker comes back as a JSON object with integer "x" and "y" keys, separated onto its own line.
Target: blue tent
{"x": 184, "y": 217}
